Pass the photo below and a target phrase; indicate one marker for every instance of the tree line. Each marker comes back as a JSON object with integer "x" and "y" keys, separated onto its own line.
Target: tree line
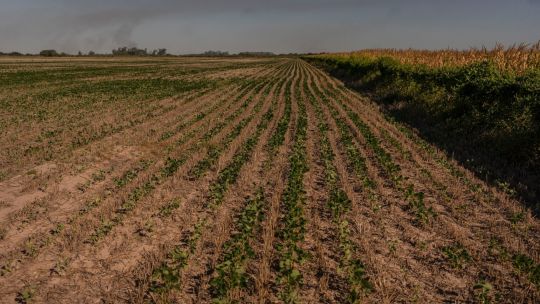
{"x": 134, "y": 51}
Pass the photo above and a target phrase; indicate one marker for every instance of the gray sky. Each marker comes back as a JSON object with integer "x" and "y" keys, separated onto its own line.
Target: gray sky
{"x": 282, "y": 26}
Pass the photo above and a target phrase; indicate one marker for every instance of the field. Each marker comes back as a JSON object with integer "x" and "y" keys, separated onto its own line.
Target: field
{"x": 238, "y": 180}
{"x": 481, "y": 106}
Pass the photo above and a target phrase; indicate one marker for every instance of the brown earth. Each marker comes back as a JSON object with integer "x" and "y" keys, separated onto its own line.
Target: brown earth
{"x": 100, "y": 222}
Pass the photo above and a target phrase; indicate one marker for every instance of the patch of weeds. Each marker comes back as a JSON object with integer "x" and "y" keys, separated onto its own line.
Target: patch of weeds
{"x": 104, "y": 228}
{"x": 483, "y": 292}
{"x": 422, "y": 245}
{"x": 457, "y": 255}
{"x": 167, "y": 276}
{"x": 392, "y": 246}
{"x": 25, "y": 295}
{"x": 30, "y": 248}
{"x": 131, "y": 174}
{"x": 6, "y": 268}
{"x": 506, "y": 188}
{"x": 168, "y": 209}
{"x": 497, "y": 249}
{"x": 4, "y": 204}
{"x": 526, "y": 265}
{"x": 89, "y": 206}
{"x": 359, "y": 281}
{"x": 417, "y": 204}
{"x": 146, "y": 229}
{"x": 98, "y": 176}
{"x": 517, "y": 217}
{"x": 60, "y": 266}
{"x": 57, "y": 230}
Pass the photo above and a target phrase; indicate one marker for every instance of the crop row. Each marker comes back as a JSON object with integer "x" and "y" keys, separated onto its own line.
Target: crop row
{"x": 237, "y": 251}
{"x": 457, "y": 254}
{"x": 292, "y": 225}
{"x": 166, "y": 277}
{"x": 231, "y": 271}
{"x": 214, "y": 152}
{"x": 522, "y": 263}
{"x": 414, "y": 198}
{"x": 244, "y": 89}
{"x": 339, "y": 204}
{"x": 170, "y": 166}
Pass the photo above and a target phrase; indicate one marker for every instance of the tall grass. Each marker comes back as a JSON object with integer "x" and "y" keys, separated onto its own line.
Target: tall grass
{"x": 516, "y": 58}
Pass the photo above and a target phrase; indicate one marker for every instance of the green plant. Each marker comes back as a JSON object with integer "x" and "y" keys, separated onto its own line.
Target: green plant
{"x": 231, "y": 271}
{"x": 416, "y": 203}
{"x": 25, "y": 296}
{"x": 457, "y": 255}
{"x": 483, "y": 292}
{"x": 526, "y": 265}
{"x": 292, "y": 229}
{"x": 168, "y": 209}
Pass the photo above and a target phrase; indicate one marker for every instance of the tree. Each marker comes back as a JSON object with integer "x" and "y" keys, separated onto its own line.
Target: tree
{"x": 162, "y": 52}
{"x": 215, "y": 53}
{"x": 48, "y": 53}
{"x": 133, "y": 51}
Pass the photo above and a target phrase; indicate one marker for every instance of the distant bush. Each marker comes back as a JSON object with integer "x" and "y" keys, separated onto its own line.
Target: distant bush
{"x": 49, "y": 53}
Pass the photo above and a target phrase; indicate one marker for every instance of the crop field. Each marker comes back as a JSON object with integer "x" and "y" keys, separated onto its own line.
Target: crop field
{"x": 238, "y": 180}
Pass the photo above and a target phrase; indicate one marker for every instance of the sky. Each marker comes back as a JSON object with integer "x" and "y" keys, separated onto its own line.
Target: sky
{"x": 280, "y": 26}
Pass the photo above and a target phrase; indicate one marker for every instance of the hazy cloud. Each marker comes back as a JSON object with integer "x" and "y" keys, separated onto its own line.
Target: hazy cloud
{"x": 278, "y": 25}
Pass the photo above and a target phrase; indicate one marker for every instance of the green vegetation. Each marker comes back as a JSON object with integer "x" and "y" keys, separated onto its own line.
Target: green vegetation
{"x": 167, "y": 276}
{"x": 415, "y": 199}
{"x": 293, "y": 224}
{"x": 473, "y": 99}
{"x": 457, "y": 255}
{"x": 231, "y": 271}
{"x": 340, "y": 204}
{"x": 488, "y": 117}
{"x": 527, "y": 266}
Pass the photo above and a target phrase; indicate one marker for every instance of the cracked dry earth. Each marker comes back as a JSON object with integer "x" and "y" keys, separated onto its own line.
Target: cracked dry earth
{"x": 193, "y": 180}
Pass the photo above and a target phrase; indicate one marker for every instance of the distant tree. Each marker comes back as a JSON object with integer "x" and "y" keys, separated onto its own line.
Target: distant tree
{"x": 48, "y": 53}
{"x": 133, "y": 51}
{"x": 91, "y": 53}
{"x": 11, "y": 54}
{"x": 256, "y": 54}
{"x": 215, "y": 53}
{"x": 79, "y": 53}
{"x": 162, "y": 52}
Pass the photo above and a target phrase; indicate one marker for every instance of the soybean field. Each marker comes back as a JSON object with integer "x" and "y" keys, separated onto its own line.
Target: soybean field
{"x": 238, "y": 180}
